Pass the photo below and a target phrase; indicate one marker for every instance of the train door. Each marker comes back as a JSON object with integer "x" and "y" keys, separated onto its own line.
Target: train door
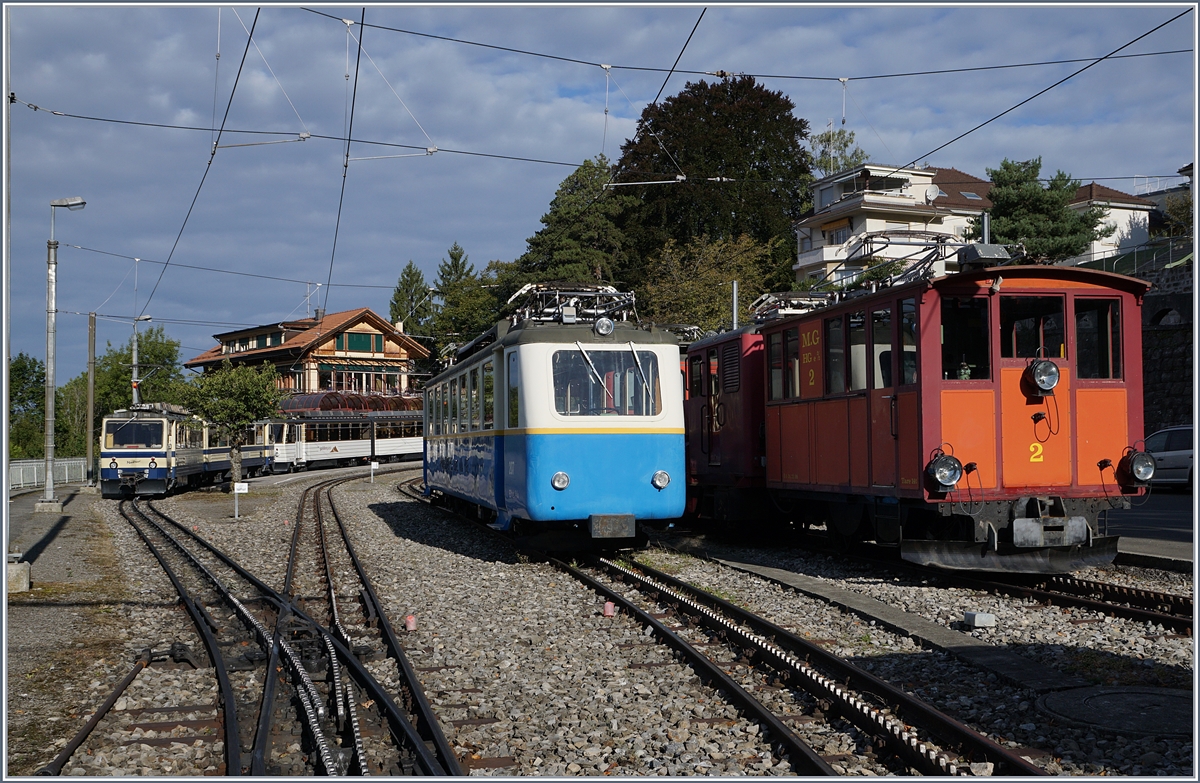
{"x": 716, "y": 410}
{"x": 882, "y": 396}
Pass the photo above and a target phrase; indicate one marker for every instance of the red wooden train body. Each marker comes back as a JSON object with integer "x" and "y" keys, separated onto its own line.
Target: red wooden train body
{"x": 978, "y": 420}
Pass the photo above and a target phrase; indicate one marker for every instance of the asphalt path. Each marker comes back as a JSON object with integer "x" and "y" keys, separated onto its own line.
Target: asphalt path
{"x": 1167, "y": 515}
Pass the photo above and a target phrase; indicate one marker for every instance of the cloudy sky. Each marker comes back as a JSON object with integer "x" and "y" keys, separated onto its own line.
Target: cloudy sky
{"x": 271, "y": 209}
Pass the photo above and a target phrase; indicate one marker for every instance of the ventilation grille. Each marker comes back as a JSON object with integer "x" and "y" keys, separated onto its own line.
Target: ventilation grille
{"x": 731, "y": 367}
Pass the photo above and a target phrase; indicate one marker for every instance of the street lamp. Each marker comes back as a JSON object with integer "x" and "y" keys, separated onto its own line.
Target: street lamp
{"x": 49, "y": 502}
{"x": 136, "y": 398}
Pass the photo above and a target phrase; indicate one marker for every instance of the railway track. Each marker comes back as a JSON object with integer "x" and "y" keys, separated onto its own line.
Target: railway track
{"x": 292, "y": 686}
{"x": 797, "y": 691}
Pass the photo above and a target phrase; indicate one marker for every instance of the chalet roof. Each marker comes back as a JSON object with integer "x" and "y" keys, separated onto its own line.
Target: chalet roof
{"x": 1095, "y": 192}
{"x": 311, "y": 331}
{"x": 954, "y": 183}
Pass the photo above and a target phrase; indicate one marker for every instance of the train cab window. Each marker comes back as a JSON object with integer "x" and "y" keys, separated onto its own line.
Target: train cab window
{"x": 606, "y": 382}
{"x": 775, "y": 365}
{"x": 474, "y": 373}
{"x": 791, "y": 363}
{"x": 514, "y": 398}
{"x": 1098, "y": 338}
{"x": 908, "y": 341}
{"x": 858, "y": 351}
{"x": 453, "y": 405}
{"x": 489, "y": 396}
{"x": 1032, "y": 326}
{"x": 881, "y": 347}
{"x": 696, "y": 376}
{"x": 835, "y": 356}
{"x": 966, "y": 344}
{"x": 714, "y": 373}
{"x": 133, "y": 434}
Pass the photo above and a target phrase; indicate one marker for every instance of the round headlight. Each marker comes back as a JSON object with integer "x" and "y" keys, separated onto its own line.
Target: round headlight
{"x": 604, "y": 326}
{"x": 113, "y": 464}
{"x": 1141, "y": 465}
{"x": 560, "y": 480}
{"x": 660, "y": 479}
{"x": 153, "y": 464}
{"x": 945, "y": 470}
{"x": 1044, "y": 374}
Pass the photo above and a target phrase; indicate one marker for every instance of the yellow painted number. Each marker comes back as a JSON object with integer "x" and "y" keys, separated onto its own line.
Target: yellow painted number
{"x": 1035, "y": 452}
{"x": 812, "y": 377}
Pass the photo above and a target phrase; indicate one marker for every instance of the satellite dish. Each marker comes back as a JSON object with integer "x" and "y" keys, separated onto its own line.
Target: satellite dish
{"x": 931, "y": 193}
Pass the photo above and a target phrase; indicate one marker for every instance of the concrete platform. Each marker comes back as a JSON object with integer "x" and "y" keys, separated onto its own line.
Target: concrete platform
{"x": 1012, "y": 667}
{"x": 53, "y": 546}
{"x": 1177, "y": 556}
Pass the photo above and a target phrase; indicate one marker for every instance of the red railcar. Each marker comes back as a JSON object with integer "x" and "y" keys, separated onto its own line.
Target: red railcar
{"x": 979, "y": 420}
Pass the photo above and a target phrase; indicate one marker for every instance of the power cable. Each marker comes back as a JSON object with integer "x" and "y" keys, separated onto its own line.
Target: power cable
{"x": 755, "y": 75}
{"x": 345, "y": 161}
{"x": 390, "y": 87}
{"x": 677, "y": 59}
{"x": 271, "y": 70}
{"x": 208, "y": 167}
{"x": 1048, "y": 89}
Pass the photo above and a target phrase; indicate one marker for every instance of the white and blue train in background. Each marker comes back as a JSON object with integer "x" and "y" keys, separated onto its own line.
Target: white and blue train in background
{"x": 155, "y": 448}
{"x": 565, "y": 419}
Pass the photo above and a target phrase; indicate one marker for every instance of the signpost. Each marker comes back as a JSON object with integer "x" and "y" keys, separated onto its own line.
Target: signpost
{"x": 374, "y": 467}
{"x": 239, "y": 488}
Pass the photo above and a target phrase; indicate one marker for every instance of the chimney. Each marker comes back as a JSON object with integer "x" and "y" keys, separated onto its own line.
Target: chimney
{"x": 399, "y": 327}
{"x": 319, "y": 313}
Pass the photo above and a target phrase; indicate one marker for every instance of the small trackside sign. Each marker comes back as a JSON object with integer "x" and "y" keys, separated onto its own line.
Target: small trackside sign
{"x": 240, "y": 488}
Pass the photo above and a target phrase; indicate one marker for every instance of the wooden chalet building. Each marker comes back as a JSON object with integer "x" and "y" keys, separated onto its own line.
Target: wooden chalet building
{"x": 354, "y": 351}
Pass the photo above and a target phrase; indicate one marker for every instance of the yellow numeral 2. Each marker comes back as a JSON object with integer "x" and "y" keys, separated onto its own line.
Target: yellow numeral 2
{"x": 1035, "y": 452}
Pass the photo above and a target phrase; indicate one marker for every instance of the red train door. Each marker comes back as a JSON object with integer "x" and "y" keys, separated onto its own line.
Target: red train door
{"x": 882, "y": 396}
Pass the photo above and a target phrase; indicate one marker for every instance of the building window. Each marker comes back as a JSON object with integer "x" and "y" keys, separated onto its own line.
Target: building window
{"x": 825, "y": 197}
{"x": 339, "y": 343}
{"x": 379, "y": 343}
{"x": 969, "y": 195}
{"x": 805, "y": 240}
{"x": 839, "y": 235}
{"x": 358, "y": 341}
{"x": 260, "y": 341}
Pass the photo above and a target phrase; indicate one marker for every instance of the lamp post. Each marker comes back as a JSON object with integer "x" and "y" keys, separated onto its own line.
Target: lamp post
{"x": 49, "y": 502}
{"x": 136, "y": 398}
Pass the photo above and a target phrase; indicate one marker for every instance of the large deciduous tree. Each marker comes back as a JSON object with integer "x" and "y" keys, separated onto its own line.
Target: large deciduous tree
{"x": 233, "y": 398}
{"x": 26, "y": 407}
{"x": 691, "y": 284}
{"x": 834, "y": 150}
{"x": 158, "y": 369}
{"x": 740, "y": 151}
{"x": 1038, "y": 216}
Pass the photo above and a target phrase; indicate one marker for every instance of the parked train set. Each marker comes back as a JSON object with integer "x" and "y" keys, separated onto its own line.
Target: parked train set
{"x": 156, "y": 448}
{"x": 978, "y": 420}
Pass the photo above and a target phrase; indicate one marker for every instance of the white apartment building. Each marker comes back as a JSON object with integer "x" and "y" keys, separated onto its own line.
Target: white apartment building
{"x": 1130, "y": 215}
{"x": 875, "y": 213}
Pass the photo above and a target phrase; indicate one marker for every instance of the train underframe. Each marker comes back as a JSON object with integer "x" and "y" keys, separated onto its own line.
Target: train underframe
{"x": 1033, "y": 534}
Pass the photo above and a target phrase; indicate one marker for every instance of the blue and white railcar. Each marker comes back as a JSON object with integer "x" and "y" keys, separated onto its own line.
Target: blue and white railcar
{"x": 567, "y": 420}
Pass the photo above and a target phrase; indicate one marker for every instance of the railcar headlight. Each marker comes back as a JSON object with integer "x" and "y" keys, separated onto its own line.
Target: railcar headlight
{"x": 945, "y": 470}
{"x": 1135, "y": 469}
{"x": 153, "y": 464}
{"x": 604, "y": 326}
{"x": 660, "y": 479}
{"x": 1043, "y": 374}
{"x": 560, "y": 481}
{"x": 113, "y": 464}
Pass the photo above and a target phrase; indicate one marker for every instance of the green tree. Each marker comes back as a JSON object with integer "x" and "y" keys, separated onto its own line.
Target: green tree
{"x": 691, "y": 284}
{"x": 411, "y": 301}
{"x": 70, "y": 418}
{"x": 1178, "y": 211}
{"x": 737, "y": 132}
{"x": 233, "y": 398}
{"x": 26, "y": 407}
{"x": 467, "y": 307}
{"x": 580, "y": 240}
{"x": 158, "y": 371}
{"x": 1038, "y": 216}
{"x": 834, "y": 150}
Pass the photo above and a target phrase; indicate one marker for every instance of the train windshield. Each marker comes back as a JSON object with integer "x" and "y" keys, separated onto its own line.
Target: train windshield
{"x": 606, "y": 382}
{"x": 133, "y": 434}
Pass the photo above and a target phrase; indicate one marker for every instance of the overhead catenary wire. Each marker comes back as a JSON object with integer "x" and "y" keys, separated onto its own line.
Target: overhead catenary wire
{"x": 390, "y": 87}
{"x": 208, "y": 166}
{"x": 271, "y": 70}
{"x": 345, "y": 161}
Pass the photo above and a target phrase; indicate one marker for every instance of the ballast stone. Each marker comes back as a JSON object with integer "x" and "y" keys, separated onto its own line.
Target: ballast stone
{"x": 980, "y": 619}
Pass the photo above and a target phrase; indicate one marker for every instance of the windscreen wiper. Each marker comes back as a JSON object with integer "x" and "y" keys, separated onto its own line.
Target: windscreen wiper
{"x": 595, "y": 372}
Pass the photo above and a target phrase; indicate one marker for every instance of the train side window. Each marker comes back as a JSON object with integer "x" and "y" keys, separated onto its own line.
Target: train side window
{"x": 1098, "y": 338}
{"x": 489, "y": 396}
{"x": 966, "y": 343}
{"x": 908, "y": 341}
{"x": 454, "y": 405}
{"x": 881, "y": 347}
{"x": 696, "y": 375}
{"x": 835, "y": 356}
{"x": 463, "y": 412}
{"x": 858, "y": 351}
{"x": 714, "y": 373}
{"x": 791, "y": 356}
{"x": 474, "y": 398}
{"x": 1032, "y": 326}
{"x": 775, "y": 366}
{"x": 514, "y": 402}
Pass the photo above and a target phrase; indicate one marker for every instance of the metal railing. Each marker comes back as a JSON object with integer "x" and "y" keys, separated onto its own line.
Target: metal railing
{"x": 24, "y": 473}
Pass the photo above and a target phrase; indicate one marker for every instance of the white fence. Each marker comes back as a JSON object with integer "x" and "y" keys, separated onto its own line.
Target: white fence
{"x": 32, "y": 472}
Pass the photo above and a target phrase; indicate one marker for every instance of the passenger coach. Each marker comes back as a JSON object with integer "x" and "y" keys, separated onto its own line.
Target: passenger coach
{"x": 565, "y": 419}
{"x": 978, "y": 420}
